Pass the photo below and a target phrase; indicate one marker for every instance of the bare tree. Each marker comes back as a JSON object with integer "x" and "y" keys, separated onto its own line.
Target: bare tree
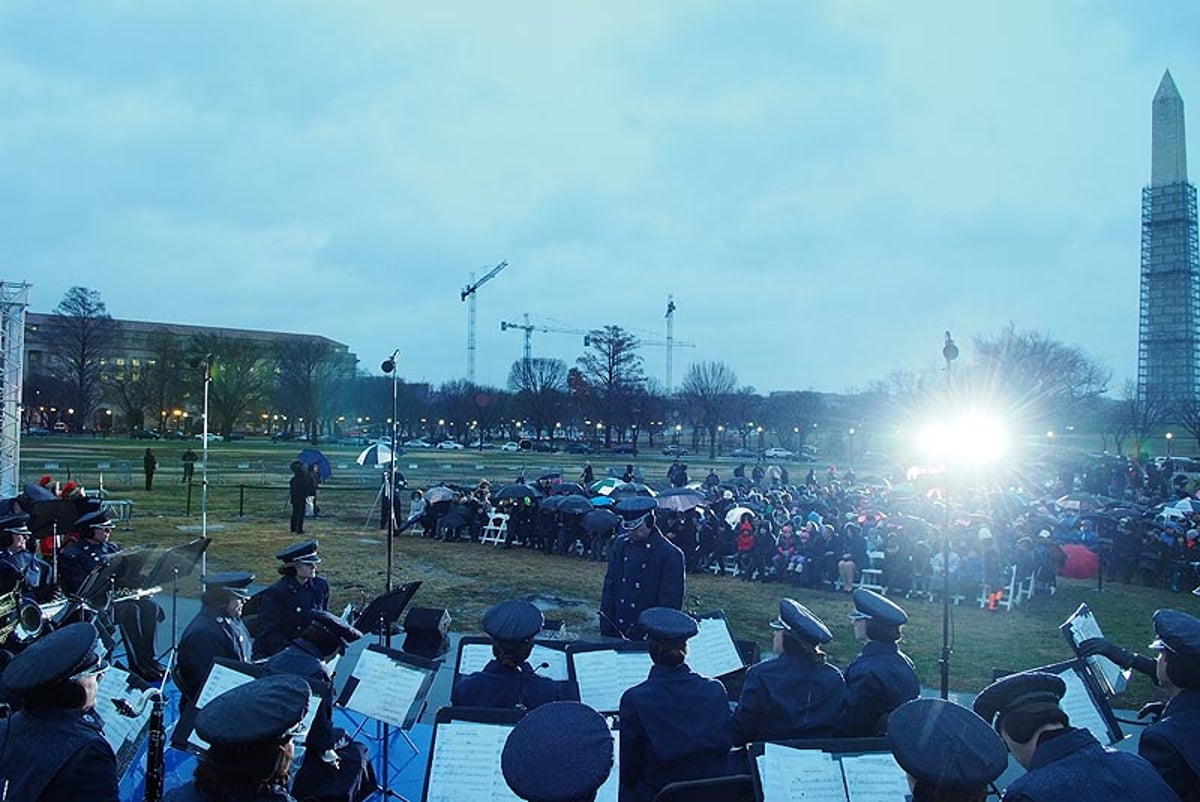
{"x": 166, "y": 374}
{"x": 792, "y": 415}
{"x": 1187, "y": 413}
{"x": 241, "y": 377}
{"x": 310, "y": 378}
{"x": 707, "y": 393}
{"x": 540, "y": 385}
{"x": 1141, "y": 415}
{"x": 612, "y": 369}
{"x": 83, "y": 334}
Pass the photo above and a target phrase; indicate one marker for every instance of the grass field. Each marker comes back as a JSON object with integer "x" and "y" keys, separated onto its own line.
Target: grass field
{"x": 248, "y": 519}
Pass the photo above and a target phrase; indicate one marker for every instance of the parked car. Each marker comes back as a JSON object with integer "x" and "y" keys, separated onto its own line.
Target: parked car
{"x": 674, "y": 450}
{"x": 743, "y": 452}
{"x": 37, "y": 431}
{"x": 577, "y": 448}
{"x": 144, "y": 434}
{"x": 60, "y": 428}
{"x": 212, "y": 438}
{"x": 622, "y": 448}
{"x": 418, "y": 444}
{"x": 544, "y": 446}
{"x": 778, "y": 453}
{"x": 449, "y": 445}
{"x": 510, "y": 447}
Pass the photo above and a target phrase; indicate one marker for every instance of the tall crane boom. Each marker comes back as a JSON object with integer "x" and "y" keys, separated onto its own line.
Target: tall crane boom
{"x": 469, "y": 292}
{"x": 530, "y": 328}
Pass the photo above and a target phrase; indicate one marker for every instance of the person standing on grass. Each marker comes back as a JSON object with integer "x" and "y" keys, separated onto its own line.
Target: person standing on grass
{"x": 189, "y": 465}
{"x": 299, "y": 489}
{"x": 149, "y": 465}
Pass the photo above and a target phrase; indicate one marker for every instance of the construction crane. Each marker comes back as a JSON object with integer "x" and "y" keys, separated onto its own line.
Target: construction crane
{"x": 469, "y": 292}
{"x": 670, "y": 338}
{"x": 530, "y": 328}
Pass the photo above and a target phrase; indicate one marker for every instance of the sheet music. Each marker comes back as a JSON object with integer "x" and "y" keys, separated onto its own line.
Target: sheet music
{"x": 711, "y": 651}
{"x": 874, "y": 778}
{"x": 1082, "y": 626}
{"x": 221, "y": 679}
{"x": 476, "y": 655}
{"x": 119, "y": 730}
{"x": 800, "y": 775}
{"x": 604, "y": 674}
{"x": 466, "y": 763}
{"x": 1077, "y": 703}
{"x": 386, "y": 689}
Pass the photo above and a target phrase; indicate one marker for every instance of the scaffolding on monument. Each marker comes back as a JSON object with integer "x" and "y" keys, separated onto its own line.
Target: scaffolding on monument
{"x": 14, "y": 299}
{"x": 1169, "y": 298}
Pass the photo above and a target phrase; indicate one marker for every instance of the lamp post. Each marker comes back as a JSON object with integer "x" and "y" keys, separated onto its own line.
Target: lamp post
{"x": 949, "y": 353}
{"x": 1170, "y": 437}
{"x": 389, "y": 366}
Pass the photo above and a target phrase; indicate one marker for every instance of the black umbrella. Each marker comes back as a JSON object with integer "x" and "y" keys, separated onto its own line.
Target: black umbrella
{"x": 569, "y": 488}
{"x": 574, "y": 505}
{"x": 551, "y": 502}
{"x": 517, "y": 491}
{"x": 550, "y": 477}
{"x": 598, "y": 521}
{"x": 629, "y": 489}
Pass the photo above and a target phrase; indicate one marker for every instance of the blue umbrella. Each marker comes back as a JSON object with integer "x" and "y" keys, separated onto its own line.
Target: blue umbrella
{"x": 602, "y": 501}
{"x": 311, "y": 456}
{"x": 574, "y": 505}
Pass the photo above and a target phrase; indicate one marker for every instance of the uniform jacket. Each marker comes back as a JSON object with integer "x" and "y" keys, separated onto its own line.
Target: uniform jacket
{"x": 640, "y": 575}
{"x": 674, "y": 726}
{"x": 1075, "y": 766}
{"x": 211, "y": 634}
{"x": 78, "y": 559}
{"x": 285, "y": 609}
{"x": 57, "y": 756}
{"x": 23, "y": 566}
{"x": 498, "y": 685}
{"x": 879, "y": 680}
{"x": 302, "y": 660}
{"x": 790, "y": 696}
{"x": 1172, "y": 745}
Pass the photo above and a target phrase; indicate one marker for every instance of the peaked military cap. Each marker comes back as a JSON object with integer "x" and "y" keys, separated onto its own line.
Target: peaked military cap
{"x": 801, "y": 622}
{"x": 513, "y": 621}
{"x": 1178, "y": 632}
{"x": 635, "y": 510}
{"x": 568, "y": 736}
{"x": 665, "y": 623}
{"x": 15, "y": 524}
{"x": 869, "y": 604}
{"x": 945, "y": 746}
{"x": 94, "y": 518}
{"x": 266, "y": 709}
{"x": 236, "y": 582}
{"x": 1032, "y": 689}
{"x": 64, "y": 655}
{"x": 305, "y": 552}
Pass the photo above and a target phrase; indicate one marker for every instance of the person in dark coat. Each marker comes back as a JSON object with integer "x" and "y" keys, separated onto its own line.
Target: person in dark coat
{"x": 149, "y": 465}
{"x": 644, "y": 570}
{"x": 1172, "y": 742}
{"x": 216, "y": 631}
{"x": 189, "y": 460}
{"x": 19, "y": 566}
{"x": 797, "y": 694}
{"x": 53, "y": 749}
{"x": 286, "y": 607}
{"x": 138, "y": 618}
{"x": 508, "y": 680}
{"x": 675, "y": 725}
{"x": 299, "y": 489}
{"x": 949, "y": 753}
{"x": 1062, "y": 763}
{"x": 882, "y": 677}
{"x": 334, "y": 766}
{"x": 249, "y": 731}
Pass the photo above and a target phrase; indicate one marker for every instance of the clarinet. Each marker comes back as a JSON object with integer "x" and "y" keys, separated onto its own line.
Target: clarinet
{"x": 157, "y": 743}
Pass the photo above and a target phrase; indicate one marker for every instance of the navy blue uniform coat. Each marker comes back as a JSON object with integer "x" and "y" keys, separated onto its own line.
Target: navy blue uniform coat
{"x": 640, "y": 575}
{"x": 879, "y": 680}
{"x": 285, "y": 609}
{"x": 674, "y": 726}
{"x": 791, "y": 696}
{"x": 57, "y": 756}
{"x": 1172, "y": 745}
{"x": 211, "y": 634}
{"x": 498, "y": 685}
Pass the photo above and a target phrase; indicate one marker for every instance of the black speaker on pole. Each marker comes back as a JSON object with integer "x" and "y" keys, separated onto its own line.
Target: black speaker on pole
{"x": 425, "y": 631}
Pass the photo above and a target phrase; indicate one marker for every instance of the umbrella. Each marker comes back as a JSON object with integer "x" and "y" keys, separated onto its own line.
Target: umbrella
{"x": 551, "y": 502}
{"x": 1079, "y": 501}
{"x": 598, "y": 521}
{"x": 605, "y": 486}
{"x": 550, "y": 477}
{"x": 517, "y": 491}
{"x": 602, "y": 501}
{"x": 574, "y": 505}
{"x": 569, "y": 488}
{"x": 741, "y": 481}
{"x": 311, "y": 457}
{"x": 679, "y": 499}
{"x": 374, "y": 456}
{"x": 1188, "y": 505}
{"x": 630, "y": 489}
{"x": 1082, "y": 562}
{"x": 38, "y": 493}
{"x": 435, "y": 494}
{"x": 733, "y": 516}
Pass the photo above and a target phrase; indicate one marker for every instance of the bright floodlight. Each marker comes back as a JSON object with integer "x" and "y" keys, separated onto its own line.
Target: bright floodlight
{"x": 974, "y": 439}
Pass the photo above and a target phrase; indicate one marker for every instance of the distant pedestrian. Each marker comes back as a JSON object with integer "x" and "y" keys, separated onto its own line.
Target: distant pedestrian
{"x": 189, "y": 464}
{"x": 314, "y": 478}
{"x": 299, "y": 489}
{"x": 149, "y": 465}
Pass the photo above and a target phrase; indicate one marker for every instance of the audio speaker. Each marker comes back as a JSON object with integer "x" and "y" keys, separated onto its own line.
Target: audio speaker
{"x": 425, "y": 631}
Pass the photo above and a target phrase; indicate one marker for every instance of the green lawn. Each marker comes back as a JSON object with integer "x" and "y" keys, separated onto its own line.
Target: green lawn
{"x": 466, "y": 578}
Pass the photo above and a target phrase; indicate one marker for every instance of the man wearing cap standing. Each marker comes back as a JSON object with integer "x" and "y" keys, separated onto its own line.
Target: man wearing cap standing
{"x": 1062, "y": 763}
{"x": 949, "y": 753}
{"x": 644, "y": 570}
{"x": 216, "y": 631}
{"x": 797, "y": 694}
{"x": 882, "y": 677}
{"x": 286, "y": 607}
{"x": 508, "y": 680}
{"x": 1172, "y": 743}
{"x": 675, "y": 725}
{"x": 53, "y": 749}
{"x": 137, "y": 618}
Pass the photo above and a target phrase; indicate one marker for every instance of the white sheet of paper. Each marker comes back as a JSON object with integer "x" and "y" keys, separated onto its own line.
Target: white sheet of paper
{"x": 1080, "y": 709}
{"x": 604, "y": 675}
{"x": 386, "y": 689}
{"x": 118, "y": 729}
{"x": 222, "y": 679}
{"x": 1083, "y": 626}
{"x": 801, "y": 775}
{"x": 476, "y": 655}
{"x": 874, "y": 778}
{"x": 466, "y": 764}
{"x": 711, "y": 651}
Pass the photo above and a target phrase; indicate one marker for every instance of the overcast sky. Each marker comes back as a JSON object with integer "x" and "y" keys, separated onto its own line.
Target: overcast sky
{"x": 824, "y": 186}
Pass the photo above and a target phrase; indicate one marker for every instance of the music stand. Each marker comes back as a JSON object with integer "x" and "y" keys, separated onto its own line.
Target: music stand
{"x": 385, "y": 610}
{"x": 172, "y": 564}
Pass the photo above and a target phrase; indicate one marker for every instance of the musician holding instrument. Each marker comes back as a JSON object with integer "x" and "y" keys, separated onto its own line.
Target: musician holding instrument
{"x": 216, "y": 631}
{"x": 19, "y": 566}
{"x": 287, "y": 607}
{"x": 137, "y": 617}
{"x": 53, "y": 749}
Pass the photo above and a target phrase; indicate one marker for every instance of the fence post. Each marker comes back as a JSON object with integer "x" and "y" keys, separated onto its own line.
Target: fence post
{"x": 241, "y": 501}
{"x": 189, "y": 499}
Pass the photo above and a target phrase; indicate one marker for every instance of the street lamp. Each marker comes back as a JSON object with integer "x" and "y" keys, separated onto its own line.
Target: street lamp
{"x": 851, "y": 442}
{"x": 1169, "y": 437}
